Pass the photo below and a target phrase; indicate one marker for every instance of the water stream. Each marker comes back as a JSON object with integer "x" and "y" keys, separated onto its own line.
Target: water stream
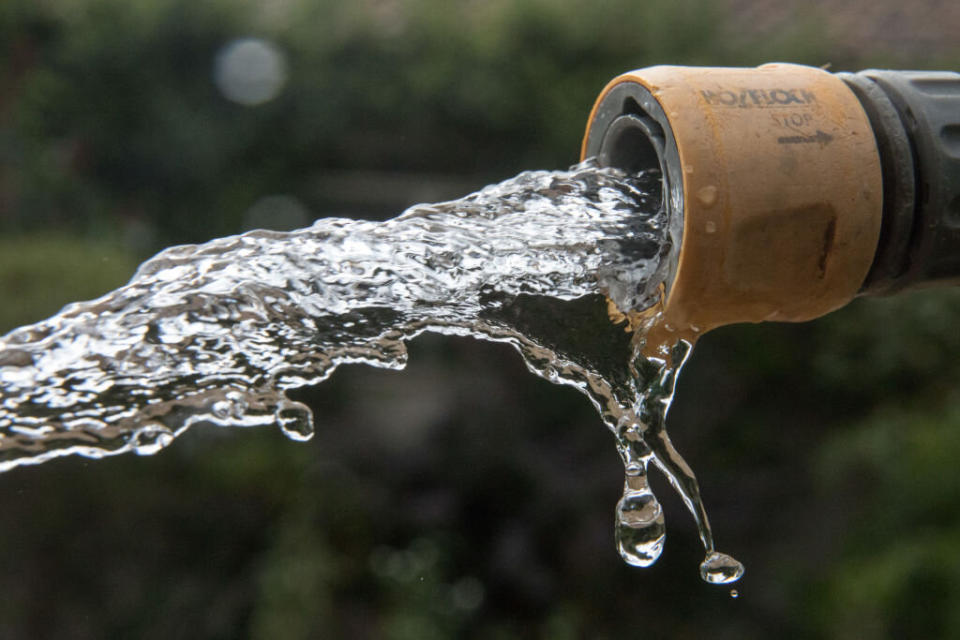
{"x": 216, "y": 333}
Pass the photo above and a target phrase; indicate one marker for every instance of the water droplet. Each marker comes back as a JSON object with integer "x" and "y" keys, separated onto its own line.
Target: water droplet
{"x": 295, "y": 420}
{"x": 710, "y": 226}
{"x": 150, "y": 438}
{"x": 221, "y": 409}
{"x": 233, "y": 405}
{"x": 719, "y": 568}
{"x": 707, "y": 195}
{"x": 734, "y": 593}
{"x": 641, "y": 529}
{"x": 238, "y": 403}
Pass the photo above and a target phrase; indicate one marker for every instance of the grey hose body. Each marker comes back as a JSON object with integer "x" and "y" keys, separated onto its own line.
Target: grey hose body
{"x": 915, "y": 116}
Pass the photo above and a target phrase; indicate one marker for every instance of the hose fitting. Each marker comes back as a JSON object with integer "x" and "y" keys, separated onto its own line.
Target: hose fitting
{"x": 790, "y": 190}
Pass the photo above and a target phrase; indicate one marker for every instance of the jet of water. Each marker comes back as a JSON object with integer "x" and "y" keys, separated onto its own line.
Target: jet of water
{"x": 216, "y": 333}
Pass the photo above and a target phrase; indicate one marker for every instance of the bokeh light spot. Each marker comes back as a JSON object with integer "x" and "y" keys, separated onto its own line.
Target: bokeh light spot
{"x": 250, "y": 71}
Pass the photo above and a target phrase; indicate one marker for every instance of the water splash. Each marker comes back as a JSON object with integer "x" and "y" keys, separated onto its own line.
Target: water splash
{"x": 216, "y": 333}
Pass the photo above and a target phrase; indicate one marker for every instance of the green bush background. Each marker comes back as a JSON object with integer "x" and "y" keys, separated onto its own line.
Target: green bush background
{"x": 464, "y": 497}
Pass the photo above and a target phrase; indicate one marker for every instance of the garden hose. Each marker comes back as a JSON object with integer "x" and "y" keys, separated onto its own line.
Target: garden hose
{"x": 790, "y": 189}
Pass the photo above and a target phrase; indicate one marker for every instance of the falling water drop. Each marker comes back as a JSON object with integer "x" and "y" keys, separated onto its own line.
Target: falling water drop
{"x": 641, "y": 528}
{"x": 719, "y": 568}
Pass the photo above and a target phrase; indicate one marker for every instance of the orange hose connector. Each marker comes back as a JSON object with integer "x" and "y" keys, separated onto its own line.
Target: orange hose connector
{"x": 773, "y": 183}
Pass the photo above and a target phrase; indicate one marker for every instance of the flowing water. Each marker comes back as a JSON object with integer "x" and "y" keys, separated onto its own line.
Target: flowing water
{"x": 215, "y": 333}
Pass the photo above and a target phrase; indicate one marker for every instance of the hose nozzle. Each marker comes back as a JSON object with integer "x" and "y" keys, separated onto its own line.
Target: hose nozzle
{"x": 790, "y": 189}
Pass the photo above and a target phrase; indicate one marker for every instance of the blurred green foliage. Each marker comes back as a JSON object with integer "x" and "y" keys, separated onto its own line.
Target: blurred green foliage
{"x": 112, "y": 117}
{"x": 898, "y": 574}
{"x": 463, "y": 498}
{"x": 40, "y": 273}
{"x": 896, "y": 571}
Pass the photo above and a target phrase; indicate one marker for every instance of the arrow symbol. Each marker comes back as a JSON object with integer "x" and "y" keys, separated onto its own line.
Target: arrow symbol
{"x": 820, "y": 137}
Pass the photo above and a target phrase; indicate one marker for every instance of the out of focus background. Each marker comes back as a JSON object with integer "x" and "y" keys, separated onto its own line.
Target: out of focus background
{"x": 463, "y": 497}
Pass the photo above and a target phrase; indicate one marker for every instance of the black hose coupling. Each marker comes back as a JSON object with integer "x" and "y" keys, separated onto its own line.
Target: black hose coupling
{"x": 915, "y": 117}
